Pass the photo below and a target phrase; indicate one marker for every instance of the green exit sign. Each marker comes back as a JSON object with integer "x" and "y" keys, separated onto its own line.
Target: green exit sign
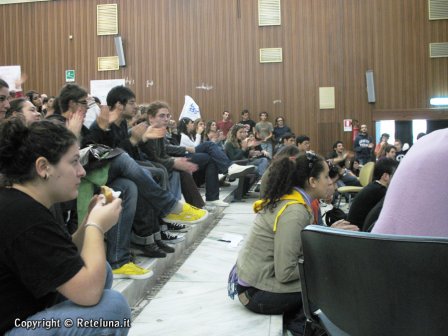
{"x": 69, "y": 76}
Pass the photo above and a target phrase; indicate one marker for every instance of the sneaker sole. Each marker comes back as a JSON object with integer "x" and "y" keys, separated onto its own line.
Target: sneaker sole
{"x": 184, "y": 230}
{"x": 218, "y": 205}
{"x": 249, "y": 170}
{"x": 134, "y": 276}
{"x": 174, "y": 241}
{"x": 167, "y": 220}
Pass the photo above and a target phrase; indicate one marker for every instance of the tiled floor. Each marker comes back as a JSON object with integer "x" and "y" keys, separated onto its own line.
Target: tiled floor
{"x": 195, "y": 301}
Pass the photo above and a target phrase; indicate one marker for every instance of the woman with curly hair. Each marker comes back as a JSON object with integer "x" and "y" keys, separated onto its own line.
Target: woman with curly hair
{"x": 268, "y": 264}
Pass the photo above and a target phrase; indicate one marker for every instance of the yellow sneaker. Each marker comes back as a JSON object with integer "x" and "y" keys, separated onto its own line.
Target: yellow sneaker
{"x": 189, "y": 215}
{"x": 132, "y": 271}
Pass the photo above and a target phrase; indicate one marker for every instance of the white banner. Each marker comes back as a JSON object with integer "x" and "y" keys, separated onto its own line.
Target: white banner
{"x": 100, "y": 88}
{"x": 190, "y": 109}
{"x": 10, "y": 74}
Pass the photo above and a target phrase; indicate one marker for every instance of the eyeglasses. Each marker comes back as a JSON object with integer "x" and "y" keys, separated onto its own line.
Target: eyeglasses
{"x": 164, "y": 116}
{"x": 82, "y": 102}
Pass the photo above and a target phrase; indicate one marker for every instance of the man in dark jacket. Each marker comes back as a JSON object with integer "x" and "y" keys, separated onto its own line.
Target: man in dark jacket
{"x": 363, "y": 146}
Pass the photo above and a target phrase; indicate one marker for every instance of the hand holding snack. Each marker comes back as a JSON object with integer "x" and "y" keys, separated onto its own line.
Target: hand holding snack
{"x": 107, "y": 209}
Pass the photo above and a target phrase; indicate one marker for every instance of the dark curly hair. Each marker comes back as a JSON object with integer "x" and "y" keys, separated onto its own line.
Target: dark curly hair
{"x": 15, "y": 105}
{"x": 285, "y": 174}
{"x": 21, "y": 146}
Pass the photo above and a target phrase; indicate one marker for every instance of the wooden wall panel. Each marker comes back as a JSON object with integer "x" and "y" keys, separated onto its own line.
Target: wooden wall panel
{"x": 180, "y": 44}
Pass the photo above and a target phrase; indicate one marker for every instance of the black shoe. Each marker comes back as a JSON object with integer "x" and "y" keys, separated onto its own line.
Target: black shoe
{"x": 177, "y": 227}
{"x": 164, "y": 247}
{"x": 150, "y": 250}
{"x": 168, "y": 237}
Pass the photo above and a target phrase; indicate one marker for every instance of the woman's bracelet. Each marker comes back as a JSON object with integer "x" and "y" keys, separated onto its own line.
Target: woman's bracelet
{"x": 96, "y": 226}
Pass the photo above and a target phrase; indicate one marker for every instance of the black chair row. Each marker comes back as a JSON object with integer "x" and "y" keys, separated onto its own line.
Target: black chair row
{"x": 356, "y": 283}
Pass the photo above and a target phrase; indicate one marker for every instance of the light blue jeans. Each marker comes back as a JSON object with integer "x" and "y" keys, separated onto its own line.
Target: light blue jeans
{"x": 112, "y": 308}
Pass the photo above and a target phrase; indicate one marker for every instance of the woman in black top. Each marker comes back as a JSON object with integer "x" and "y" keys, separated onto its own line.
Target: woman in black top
{"x": 46, "y": 275}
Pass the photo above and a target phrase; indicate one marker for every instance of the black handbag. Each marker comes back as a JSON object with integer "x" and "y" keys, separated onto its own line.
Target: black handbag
{"x": 97, "y": 155}
{"x": 333, "y": 215}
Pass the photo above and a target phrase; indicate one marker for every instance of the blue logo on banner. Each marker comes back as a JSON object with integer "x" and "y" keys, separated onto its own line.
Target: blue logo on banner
{"x": 193, "y": 109}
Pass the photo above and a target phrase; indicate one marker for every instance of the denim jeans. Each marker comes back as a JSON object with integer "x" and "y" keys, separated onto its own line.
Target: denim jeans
{"x": 175, "y": 185}
{"x": 208, "y": 166}
{"x": 261, "y": 163}
{"x": 150, "y": 194}
{"x": 119, "y": 236}
{"x": 216, "y": 153}
{"x": 158, "y": 172}
{"x": 112, "y": 307}
{"x": 267, "y": 146}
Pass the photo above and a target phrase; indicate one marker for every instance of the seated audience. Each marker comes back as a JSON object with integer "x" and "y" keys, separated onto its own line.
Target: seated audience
{"x": 355, "y": 167}
{"x": 341, "y": 158}
{"x": 239, "y": 147}
{"x": 286, "y": 140}
{"x": 372, "y": 193}
{"x": 199, "y": 128}
{"x": 35, "y": 99}
{"x": 4, "y": 98}
{"x": 267, "y": 266}
{"x": 48, "y": 106}
{"x": 303, "y": 143}
{"x": 110, "y": 129}
{"x": 46, "y": 274}
{"x": 420, "y": 135}
{"x": 192, "y": 142}
{"x": 212, "y": 134}
{"x": 390, "y": 152}
{"x": 23, "y": 108}
{"x": 207, "y": 156}
{"x": 400, "y": 151}
{"x": 417, "y": 198}
{"x": 291, "y": 152}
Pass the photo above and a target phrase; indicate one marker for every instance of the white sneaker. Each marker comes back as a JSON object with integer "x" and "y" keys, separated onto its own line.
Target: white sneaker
{"x": 217, "y": 203}
{"x": 236, "y": 170}
{"x": 210, "y": 208}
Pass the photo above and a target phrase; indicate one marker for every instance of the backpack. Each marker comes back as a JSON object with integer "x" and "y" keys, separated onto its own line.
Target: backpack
{"x": 334, "y": 215}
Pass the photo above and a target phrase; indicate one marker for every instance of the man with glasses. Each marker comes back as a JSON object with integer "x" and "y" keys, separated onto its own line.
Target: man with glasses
{"x": 303, "y": 144}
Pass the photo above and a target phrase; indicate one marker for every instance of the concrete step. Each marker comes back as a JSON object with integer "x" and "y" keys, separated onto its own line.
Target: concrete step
{"x": 134, "y": 290}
